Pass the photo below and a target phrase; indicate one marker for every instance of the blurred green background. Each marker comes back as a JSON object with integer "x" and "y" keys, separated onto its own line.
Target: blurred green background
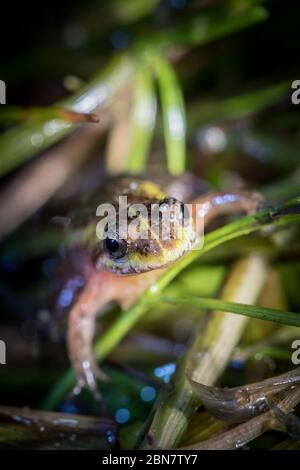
{"x": 221, "y": 72}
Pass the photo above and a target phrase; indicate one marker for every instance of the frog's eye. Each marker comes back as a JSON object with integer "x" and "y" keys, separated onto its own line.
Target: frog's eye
{"x": 115, "y": 248}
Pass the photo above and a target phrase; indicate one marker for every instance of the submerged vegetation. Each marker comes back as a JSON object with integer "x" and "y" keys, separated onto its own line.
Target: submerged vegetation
{"x": 198, "y": 86}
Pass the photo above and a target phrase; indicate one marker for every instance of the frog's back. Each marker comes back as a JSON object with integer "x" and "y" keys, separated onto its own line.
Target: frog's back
{"x": 137, "y": 189}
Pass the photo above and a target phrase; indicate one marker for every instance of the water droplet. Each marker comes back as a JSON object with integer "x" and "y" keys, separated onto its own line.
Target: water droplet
{"x": 53, "y": 126}
{"x": 36, "y": 140}
{"x": 110, "y": 437}
{"x": 165, "y": 372}
{"x": 65, "y": 297}
{"x": 89, "y": 100}
{"x": 154, "y": 289}
{"x": 122, "y": 415}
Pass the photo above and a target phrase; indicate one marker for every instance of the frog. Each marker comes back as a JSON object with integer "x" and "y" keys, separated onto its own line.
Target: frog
{"x": 118, "y": 270}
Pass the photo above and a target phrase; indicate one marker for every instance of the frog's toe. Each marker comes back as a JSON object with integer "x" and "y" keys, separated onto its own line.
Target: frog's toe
{"x": 87, "y": 377}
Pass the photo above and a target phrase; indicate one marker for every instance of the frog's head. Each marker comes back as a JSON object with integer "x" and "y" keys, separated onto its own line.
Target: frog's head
{"x": 158, "y": 232}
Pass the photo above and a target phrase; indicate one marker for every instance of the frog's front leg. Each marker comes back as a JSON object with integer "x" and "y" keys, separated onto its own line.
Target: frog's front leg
{"x": 81, "y": 328}
{"x": 214, "y": 204}
{"x": 101, "y": 287}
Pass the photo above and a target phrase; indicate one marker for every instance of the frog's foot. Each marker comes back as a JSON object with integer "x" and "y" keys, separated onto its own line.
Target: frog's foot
{"x": 80, "y": 338}
{"x": 87, "y": 374}
{"x": 251, "y": 201}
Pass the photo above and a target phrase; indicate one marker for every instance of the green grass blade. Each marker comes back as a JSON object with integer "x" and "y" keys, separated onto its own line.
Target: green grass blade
{"x": 261, "y": 313}
{"x": 143, "y": 120}
{"x": 208, "y": 26}
{"x": 238, "y": 107}
{"x": 173, "y": 112}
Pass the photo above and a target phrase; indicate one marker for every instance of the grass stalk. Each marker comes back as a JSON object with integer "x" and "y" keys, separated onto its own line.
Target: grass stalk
{"x": 207, "y": 356}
